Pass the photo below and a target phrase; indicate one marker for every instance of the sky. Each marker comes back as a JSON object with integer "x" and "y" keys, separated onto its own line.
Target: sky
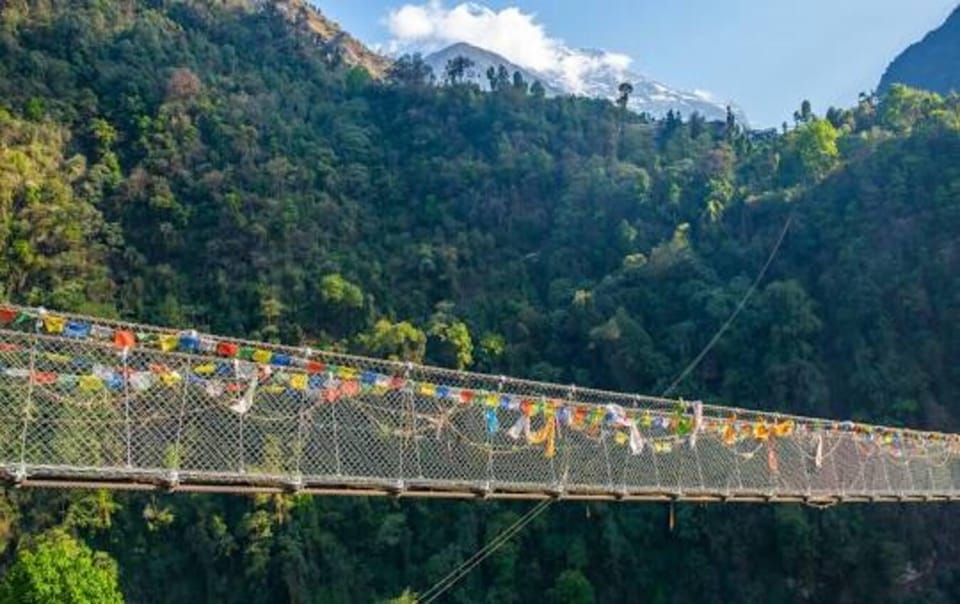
{"x": 764, "y": 55}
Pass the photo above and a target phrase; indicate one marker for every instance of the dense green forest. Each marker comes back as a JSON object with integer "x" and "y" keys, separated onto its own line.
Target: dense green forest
{"x": 214, "y": 164}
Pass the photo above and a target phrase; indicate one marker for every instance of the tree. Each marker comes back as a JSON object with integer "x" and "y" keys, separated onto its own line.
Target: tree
{"x": 410, "y": 70}
{"x": 698, "y": 125}
{"x": 811, "y": 151}
{"x": 904, "y": 107}
{"x": 519, "y": 83}
{"x": 626, "y": 89}
{"x": 50, "y": 227}
{"x": 805, "y": 114}
{"x": 571, "y": 587}
{"x": 492, "y": 78}
{"x": 457, "y": 68}
{"x": 183, "y": 85}
{"x": 395, "y": 341}
{"x": 503, "y": 78}
{"x": 337, "y": 291}
{"x": 343, "y": 302}
{"x": 449, "y": 342}
{"x": 730, "y": 124}
{"x": 57, "y": 569}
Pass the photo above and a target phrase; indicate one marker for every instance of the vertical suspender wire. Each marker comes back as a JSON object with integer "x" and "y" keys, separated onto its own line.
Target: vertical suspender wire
{"x": 629, "y": 456}
{"x": 413, "y": 432}
{"x": 886, "y": 473}
{"x": 929, "y": 462}
{"x": 490, "y": 477}
{"x": 28, "y": 404}
{"x": 862, "y": 458}
{"x": 837, "y": 483}
{"x": 606, "y": 459}
{"x": 736, "y": 468}
{"x": 124, "y": 354}
{"x": 626, "y": 458}
{"x": 338, "y": 464}
{"x": 548, "y": 418}
{"x": 656, "y": 465}
{"x": 565, "y": 474}
{"x": 178, "y": 453}
{"x": 242, "y": 450}
{"x": 302, "y": 410}
{"x": 406, "y": 394}
{"x": 696, "y": 454}
{"x": 806, "y": 474}
{"x": 908, "y": 468}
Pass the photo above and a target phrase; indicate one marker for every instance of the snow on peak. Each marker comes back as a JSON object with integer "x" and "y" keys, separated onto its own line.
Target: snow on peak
{"x": 521, "y": 43}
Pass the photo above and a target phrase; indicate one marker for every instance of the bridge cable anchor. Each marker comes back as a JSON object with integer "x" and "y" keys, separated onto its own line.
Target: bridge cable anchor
{"x": 19, "y": 476}
{"x": 171, "y": 481}
{"x": 295, "y": 485}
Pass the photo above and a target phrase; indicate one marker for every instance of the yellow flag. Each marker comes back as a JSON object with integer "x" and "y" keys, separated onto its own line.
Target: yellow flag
{"x": 262, "y": 356}
{"x": 347, "y": 373}
{"x": 545, "y": 435}
{"x": 170, "y": 378}
{"x": 167, "y": 342}
{"x": 298, "y": 381}
{"x": 761, "y": 431}
{"x": 90, "y": 383}
{"x": 428, "y": 390}
{"x": 205, "y": 369}
{"x": 621, "y": 438}
{"x": 54, "y": 324}
{"x": 783, "y": 428}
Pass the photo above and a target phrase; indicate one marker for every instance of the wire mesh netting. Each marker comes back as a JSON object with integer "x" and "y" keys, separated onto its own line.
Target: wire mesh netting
{"x": 89, "y": 398}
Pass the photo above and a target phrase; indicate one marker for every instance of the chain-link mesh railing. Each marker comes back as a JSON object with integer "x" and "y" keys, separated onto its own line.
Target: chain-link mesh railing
{"x": 85, "y": 399}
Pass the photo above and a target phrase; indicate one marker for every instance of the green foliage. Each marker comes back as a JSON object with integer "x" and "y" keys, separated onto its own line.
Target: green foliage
{"x": 810, "y": 151}
{"x": 407, "y": 597}
{"x": 572, "y": 587}
{"x": 449, "y": 342}
{"x": 209, "y": 164}
{"x": 55, "y": 568}
{"x": 395, "y": 341}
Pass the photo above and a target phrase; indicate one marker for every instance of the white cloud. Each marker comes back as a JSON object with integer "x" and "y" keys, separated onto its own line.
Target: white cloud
{"x": 411, "y": 23}
{"x": 510, "y": 32}
{"x": 617, "y": 60}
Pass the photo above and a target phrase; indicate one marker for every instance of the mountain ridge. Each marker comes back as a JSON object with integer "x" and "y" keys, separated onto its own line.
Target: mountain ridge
{"x": 933, "y": 63}
{"x": 331, "y": 35}
{"x": 601, "y": 79}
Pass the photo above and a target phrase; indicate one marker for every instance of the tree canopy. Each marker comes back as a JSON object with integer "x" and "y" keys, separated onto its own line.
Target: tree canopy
{"x": 218, "y": 165}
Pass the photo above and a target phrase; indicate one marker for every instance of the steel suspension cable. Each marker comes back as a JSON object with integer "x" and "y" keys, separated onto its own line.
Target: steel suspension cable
{"x": 442, "y": 586}
{"x": 740, "y": 306}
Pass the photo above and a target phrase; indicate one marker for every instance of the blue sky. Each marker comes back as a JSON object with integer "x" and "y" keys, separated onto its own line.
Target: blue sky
{"x": 766, "y": 55}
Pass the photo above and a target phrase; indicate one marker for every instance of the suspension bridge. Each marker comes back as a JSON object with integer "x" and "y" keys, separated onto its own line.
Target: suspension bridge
{"x": 95, "y": 403}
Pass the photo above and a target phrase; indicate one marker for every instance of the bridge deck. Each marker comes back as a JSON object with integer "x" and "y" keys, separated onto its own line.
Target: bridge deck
{"x": 90, "y": 403}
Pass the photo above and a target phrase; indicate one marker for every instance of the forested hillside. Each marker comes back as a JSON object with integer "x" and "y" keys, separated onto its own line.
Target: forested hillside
{"x": 212, "y": 164}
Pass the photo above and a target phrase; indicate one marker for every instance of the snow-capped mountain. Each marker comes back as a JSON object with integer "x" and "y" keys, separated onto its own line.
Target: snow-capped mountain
{"x": 593, "y": 73}
{"x": 482, "y": 60}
